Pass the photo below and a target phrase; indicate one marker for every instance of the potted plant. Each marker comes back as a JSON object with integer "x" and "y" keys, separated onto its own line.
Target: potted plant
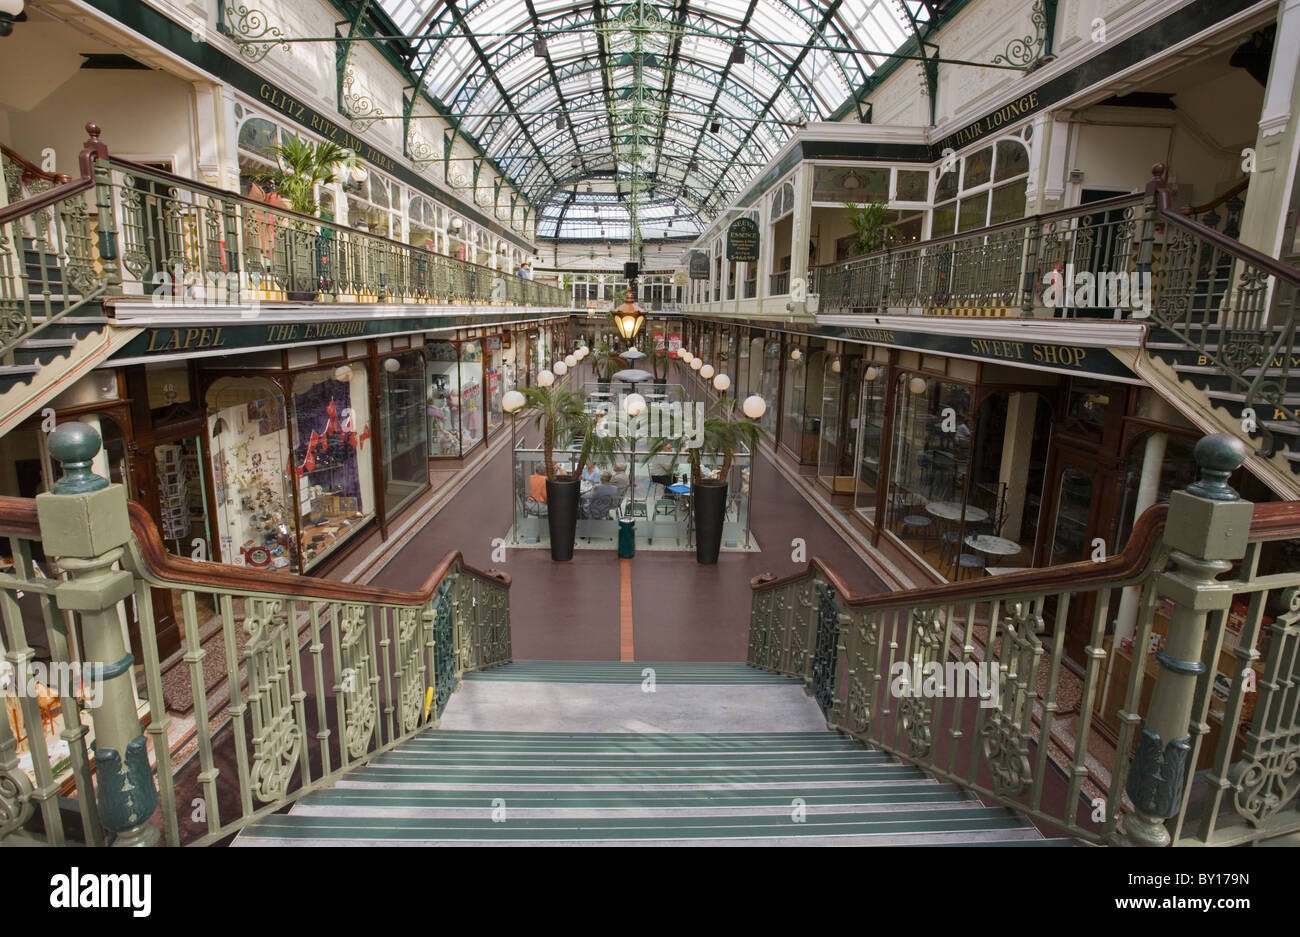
{"x": 871, "y": 228}
{"x": 657, "y": 355}
{"x": 301, "y": 166}
{"x": 561, "y": 416}
{"x": 606, "y": 363}
{"x": 724, "y": 432}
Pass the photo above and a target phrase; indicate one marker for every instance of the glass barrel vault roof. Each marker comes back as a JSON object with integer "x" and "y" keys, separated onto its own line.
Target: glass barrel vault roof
{"x": 625, "y": 97}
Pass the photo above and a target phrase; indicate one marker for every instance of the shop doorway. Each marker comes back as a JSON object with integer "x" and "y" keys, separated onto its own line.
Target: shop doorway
{"x": 841, "y": 395}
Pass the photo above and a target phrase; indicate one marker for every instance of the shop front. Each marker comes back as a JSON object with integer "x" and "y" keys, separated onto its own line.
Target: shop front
{"x": 294, "y": 458}
{"x": 455, "y": 397}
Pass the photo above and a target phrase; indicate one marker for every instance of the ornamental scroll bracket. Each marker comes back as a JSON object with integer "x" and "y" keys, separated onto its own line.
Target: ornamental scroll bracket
{"x": 251, "y": 31}
{"x": 358, "y": 108}
{"x": 1030, "y": 52}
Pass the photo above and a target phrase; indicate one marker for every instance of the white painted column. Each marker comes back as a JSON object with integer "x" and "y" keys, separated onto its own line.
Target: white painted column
{"x": 1277, "y": 142}
{"x": 1022, "y": 408}
{"x": 1153, "y": 460}
{"x": 764, "y": 249}
{"x": 800, "y": 222}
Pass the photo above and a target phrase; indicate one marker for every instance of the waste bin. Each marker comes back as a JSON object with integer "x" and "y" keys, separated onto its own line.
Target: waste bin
{"x": 626, "y": 538}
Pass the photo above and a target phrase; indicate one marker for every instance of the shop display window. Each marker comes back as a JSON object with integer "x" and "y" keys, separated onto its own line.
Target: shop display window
{"x": 495, "y": 383}
{"x": 442, "y": 399}
{"x": 871, "y": 424}
{"x": 931, "y": 451}
{"x": 249, "y": 443}
{"x": 332, "y": 461}
{"x": 405, "y": 430}
{"x": 454, "y": 399}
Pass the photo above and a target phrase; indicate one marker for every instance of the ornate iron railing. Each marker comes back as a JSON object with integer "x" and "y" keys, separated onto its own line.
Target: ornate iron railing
{"x": 51, "y": 263}
{"x": 968, "y": 680}
{"x": 182, "y": 240}
{"x": 994, "y": 270}
{"x": 128, "y": 229}
{"x": 291, "y": 680}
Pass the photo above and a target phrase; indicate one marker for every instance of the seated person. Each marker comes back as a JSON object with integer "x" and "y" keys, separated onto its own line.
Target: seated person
{"x": 591, "y": 473}
{"x": 601, "y": 500}
{"x": 537, "y": 487}
{"x": 620, "y": 480}
{"x": 661, "y": 468}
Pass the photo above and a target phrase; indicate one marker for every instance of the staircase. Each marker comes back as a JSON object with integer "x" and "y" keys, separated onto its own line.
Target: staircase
{"x": 1205, "y": 393}
{"x": 59, "y": 336}
{"x": 581, "y": 753}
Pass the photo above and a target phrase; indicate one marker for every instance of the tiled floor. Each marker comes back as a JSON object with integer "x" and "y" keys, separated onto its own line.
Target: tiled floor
{"x": 681, "y": 610}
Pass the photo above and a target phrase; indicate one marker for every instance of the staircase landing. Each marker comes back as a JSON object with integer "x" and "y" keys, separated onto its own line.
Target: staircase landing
{"x": 574, "y": 753}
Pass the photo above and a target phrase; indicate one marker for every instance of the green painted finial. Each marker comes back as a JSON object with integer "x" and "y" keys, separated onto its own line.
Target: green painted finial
{"x": 75, "y": 445}
{"x": 1218, "y": 456}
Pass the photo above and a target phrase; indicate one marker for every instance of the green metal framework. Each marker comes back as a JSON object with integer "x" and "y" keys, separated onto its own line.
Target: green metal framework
{"x": 657, "y": 102}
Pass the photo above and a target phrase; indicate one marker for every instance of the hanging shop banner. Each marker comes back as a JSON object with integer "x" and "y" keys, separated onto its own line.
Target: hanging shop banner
{"x": 681, "y": 278}
{"x": 742, "y": 241}
{"x": 699, "y": 266}
{"x": 674, "y": 342}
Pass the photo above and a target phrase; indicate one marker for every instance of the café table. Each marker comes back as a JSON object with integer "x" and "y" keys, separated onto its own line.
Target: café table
{"x": 951, "y": 511}
{"x": 994, "y": 546}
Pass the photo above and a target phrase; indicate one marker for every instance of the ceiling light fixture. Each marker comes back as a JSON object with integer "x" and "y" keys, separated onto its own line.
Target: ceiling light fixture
{"x": 738, "y": 54}
{"x": 715, "y": 126}
{"x": 539, "y": 47}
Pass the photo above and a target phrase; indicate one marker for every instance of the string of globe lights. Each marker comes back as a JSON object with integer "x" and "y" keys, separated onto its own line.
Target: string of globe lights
{"x": 753, "y": 406}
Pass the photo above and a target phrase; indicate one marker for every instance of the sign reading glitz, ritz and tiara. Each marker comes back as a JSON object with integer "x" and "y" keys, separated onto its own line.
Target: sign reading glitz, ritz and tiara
{"x": 1021, "y": 107}
{"x": 331, "y": 131}
{"x": 198, "y": 339}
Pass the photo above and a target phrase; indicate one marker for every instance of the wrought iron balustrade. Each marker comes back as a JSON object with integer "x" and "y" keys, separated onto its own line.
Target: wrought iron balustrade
{"x": 780, "y": 283}
{"x": 995, "y": 270}
{"x": 52, "y": 261}
{"x": 182, "y": 240}
{"x": 291, "y": 680}
{"x": 966, "y": 679}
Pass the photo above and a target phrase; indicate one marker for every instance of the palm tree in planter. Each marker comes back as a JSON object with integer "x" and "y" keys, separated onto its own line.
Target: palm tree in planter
{"x": 606, "y": 363}
{"x": 562, "y": 417}
{"x": 301, "y": 166}
{"x": 871, "y": 228}
{"x": 724, "y": 432}
{"x": 657, "y": 355}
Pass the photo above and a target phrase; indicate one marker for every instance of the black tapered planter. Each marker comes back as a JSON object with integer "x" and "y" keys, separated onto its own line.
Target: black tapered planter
{"x": 562, "y": 517}
{"x": 710, "y": 510}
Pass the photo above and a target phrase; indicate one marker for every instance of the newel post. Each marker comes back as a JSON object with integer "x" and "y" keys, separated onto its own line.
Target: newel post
{"x": 85, "y": 526}
{"x": 94, "y": 164}
{"x": 1207, "y": 529}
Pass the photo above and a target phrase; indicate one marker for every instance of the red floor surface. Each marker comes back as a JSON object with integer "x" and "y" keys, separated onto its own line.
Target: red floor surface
{"x": 681, "y": 611}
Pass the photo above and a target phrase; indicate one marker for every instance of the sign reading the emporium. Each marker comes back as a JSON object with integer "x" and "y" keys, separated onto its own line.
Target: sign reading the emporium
{"x": 742, "y": 241}
{"x": 699, "y": 266}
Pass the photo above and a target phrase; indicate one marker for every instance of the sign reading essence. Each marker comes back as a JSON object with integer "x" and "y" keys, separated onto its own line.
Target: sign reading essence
{"x": 742, "y": 241}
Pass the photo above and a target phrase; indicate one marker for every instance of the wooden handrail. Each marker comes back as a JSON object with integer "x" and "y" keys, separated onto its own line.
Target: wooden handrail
{"x": 226, "y": 194}
{"x": 1270, "y": 521}
{"x": 1115, "y": 201}
{"x": 1216, "y": 202}
{"x": 32, "y": 170}
{"x": 1160, "y": 191}
{"x": 18, "y": 518}
{"x": 27, "y": 206}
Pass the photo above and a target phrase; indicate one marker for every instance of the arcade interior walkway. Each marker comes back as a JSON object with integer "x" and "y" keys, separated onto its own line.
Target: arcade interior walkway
{"x": 659, "y": 606}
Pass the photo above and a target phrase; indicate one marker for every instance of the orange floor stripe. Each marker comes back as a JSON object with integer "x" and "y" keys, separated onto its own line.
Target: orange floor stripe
{"x": 626, "y": 651}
